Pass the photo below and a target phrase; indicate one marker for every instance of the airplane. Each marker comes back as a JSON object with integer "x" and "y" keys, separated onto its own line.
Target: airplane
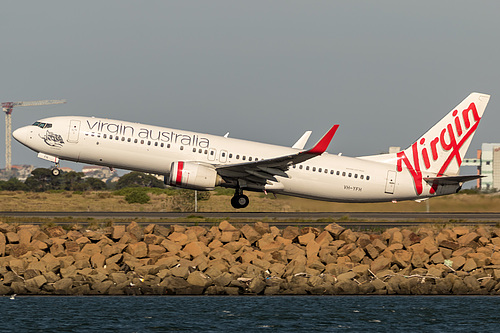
{"x": 427, "y": 168}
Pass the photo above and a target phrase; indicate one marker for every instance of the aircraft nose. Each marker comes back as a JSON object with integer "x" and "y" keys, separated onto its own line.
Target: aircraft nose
{"x": 20, "y": 134}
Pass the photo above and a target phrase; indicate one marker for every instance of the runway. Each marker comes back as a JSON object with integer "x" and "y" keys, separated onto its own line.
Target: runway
{"x": 346, "y": 219}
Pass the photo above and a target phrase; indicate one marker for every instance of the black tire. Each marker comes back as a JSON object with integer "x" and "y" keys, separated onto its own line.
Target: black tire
{"x": 56, "y": 172}
{"x": 240, "y": 201}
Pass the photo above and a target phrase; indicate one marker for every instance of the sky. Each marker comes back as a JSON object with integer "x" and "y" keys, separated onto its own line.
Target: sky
{"x": 386, "y": 71}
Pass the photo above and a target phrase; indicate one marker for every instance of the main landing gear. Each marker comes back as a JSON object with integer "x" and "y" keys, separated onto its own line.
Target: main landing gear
{"x": 239, "y": 200}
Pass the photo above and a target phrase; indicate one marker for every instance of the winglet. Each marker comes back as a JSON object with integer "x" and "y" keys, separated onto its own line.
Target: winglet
{"x": 322, "y": 144}
{"x": 302, "y": 141}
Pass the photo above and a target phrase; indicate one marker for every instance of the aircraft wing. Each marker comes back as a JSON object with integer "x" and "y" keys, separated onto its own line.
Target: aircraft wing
{"x": 260, "y": 172}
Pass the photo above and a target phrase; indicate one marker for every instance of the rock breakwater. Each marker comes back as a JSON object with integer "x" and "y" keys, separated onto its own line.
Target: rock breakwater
{"x": 249, "y": 260}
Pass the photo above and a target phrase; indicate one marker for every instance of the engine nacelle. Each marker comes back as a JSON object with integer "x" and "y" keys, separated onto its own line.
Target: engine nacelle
{"x": 193, "y": 176}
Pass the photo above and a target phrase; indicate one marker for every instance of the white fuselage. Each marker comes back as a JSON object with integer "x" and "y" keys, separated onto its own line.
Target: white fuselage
{"x": 152, "y": 149}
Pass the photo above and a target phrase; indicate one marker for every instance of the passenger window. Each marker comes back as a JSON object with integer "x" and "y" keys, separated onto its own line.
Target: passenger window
{"x": 355, "y": 175}
{"x": 338, "y": 173}
{"x": 104, "y": 136}
{"x": 300, "y": 167}
{"x": 117, "y": 138}
{"x": 181, "y": 148}
{"x": 361, "y": 177}
{"x": 237, "y": 157}
{"x": 129, "y": 140}
{"x": 135, "y": 140}
{"x": 123, "y": 138}
{"x": 332, "y": 172}
{"x": 149, "y": 143}
{"x": 367, "y": 177}
{"x": 142, "y": 142}
{"x": 307, "y": 167}
{"x": 168, "y": 145}
{"x": 162, "y": 144}
{"x": 194, "y": 150}
{"x": 243, "y": 158}
{"x": 249, "y": 158}
{"x": 343, "y": 174}
{"x": 230, "y": 155}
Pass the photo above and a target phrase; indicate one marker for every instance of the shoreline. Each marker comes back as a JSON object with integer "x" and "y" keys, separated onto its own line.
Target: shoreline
{"x": 252, "y": 260}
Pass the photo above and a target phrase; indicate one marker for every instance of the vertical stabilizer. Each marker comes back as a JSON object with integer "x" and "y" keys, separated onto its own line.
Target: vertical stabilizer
{"x": 440, "y": 151}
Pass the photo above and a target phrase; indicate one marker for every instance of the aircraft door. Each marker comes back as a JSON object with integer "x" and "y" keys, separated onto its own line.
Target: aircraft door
{"x": 212, "y": 154}
{"x": 223, "y": 156}
{"x": 74, "y": 130}
{"x": 391, "y": 182}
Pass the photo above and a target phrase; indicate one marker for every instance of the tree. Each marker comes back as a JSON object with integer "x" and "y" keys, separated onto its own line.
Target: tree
{"x": 138, "y": 179}
{"x": 42, "y": 180}
{"x": 13, "y": 184}
{"x": 95, "y": 184}
{"x": 73, "y": 181}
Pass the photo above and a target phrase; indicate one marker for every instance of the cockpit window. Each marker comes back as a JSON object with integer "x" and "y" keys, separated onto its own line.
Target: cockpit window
{"x": 42, "y": 125}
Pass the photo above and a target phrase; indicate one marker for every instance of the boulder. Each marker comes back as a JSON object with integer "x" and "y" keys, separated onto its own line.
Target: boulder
{"x": 335, "y": 230}
{"x": 195, "y": 249}
{"x": 3, "y": 242}
{"x": 304, "y": 239}
{"x": 256, "y": 286}
{"x": 55, "y": 232}
{"x": 138, "y": 250}
{"x": 229, "y": 236}
{"x": 135, "y": 230}
{"x": 357, "y": 255}
{"x": 312, "y": 249}
{"x": 348, "y": 236}
{"x": 346, "y": 288}
{"x": 179, "y": 238}
{"x": 91, "y": 249}
{"x": 380, "y": 264}
{"x": 250, "y": 233}
{"x": 291, "y": 232}
{"x": 402, "y": 258}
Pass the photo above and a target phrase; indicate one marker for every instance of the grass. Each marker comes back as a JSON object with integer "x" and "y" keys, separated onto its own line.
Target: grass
{"x": 162, "y": 201}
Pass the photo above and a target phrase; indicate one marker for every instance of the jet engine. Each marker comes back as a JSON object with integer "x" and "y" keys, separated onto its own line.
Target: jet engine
{"x": 193, "y": 176}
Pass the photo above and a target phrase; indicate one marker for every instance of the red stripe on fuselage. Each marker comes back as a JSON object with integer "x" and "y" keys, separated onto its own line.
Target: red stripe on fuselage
{"x": 178, "y": 178}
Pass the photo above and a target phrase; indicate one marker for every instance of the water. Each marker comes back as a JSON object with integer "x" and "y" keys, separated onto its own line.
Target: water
{"x": 251, "y": 314}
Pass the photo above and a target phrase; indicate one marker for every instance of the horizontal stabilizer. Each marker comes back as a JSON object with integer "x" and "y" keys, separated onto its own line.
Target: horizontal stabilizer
{"x": 451, "y": 180}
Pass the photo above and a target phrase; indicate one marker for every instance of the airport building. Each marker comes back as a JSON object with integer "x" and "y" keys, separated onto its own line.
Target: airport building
{"x": 487, "y": 163}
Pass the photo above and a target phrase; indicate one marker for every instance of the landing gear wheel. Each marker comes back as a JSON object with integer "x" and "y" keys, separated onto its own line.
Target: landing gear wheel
{"x": 239, "y": 201}
{"x": 56, "y": 172}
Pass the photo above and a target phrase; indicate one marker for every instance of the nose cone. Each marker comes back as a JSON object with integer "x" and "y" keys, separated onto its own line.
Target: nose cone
{"x": 20, "y": 134}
